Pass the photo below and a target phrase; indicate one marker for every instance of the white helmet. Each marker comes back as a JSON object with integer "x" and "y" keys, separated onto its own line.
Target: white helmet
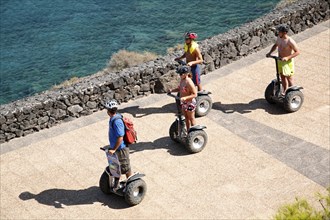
{"x": 111, "y": 104}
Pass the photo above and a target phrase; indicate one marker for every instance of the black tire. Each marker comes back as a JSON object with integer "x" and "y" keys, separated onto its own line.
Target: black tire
{"x": 293, "y": 101}
{"x": 203, "y": 105}
{"x": 104, "y": 183}
{"x": 269, "y": 93}
{"x": 135, "y": 192}
{"x": 196, "y": 141}
{"x": 174, "y": 132}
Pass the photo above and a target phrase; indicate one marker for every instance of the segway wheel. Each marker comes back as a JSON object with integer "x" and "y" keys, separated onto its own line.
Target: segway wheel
{"x": 196, "y": 141}
{"x": 203, "y": 106}
{"x": 174, "y": 132}
{"x": 104, "y": 183}
{"x": 135, "y": 192}
{"x": 293, "y": 101}
{"x": 269, "y": 93}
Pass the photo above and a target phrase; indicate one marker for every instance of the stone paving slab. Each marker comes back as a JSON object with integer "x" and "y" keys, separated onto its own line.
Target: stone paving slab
{"x": 257, "y": 158}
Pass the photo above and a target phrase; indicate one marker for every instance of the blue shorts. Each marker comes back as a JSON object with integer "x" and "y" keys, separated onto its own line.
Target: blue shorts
{"x": 196, "y": 74}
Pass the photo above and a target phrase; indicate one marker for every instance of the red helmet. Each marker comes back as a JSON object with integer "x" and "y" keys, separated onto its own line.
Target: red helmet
{"x": 190, "y": 35}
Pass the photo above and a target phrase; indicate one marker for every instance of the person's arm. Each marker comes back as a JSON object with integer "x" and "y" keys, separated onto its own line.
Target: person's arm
{"x": 119, "y": 129}
{"x": 181, "y": 57}
{"x": 109, "y": 134}
{"x": 193, "y": 90}
{"x": 295, "y": 49}
{"x": 199, "y": 57}
{"x": 174, "y": 90}
{"x": 118, "y": 142}
{"x": 273, "y": 48}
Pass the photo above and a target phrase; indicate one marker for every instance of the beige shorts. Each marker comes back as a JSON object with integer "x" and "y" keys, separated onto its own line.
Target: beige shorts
{"x": 123, "y": 157}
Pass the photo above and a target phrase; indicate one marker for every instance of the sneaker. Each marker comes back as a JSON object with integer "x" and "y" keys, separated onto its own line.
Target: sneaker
{"x": 118, "y": 187}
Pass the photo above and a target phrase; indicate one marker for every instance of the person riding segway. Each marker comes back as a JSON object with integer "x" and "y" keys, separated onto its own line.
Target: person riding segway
{"x": 194, "y": 58}
{"x": 133, "y": 188}
{"x": 281, "y": 90}
{"x": 184, "y": 128}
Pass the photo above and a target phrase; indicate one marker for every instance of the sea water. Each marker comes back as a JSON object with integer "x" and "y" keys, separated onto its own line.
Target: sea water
{"x": 45, "y": 42}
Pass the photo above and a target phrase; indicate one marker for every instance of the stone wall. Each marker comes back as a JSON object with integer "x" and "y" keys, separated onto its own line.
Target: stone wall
{"x": 45, "y": 110}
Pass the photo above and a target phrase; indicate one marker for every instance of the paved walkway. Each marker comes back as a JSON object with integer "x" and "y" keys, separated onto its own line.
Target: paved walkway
{"x": 257, "y": 158}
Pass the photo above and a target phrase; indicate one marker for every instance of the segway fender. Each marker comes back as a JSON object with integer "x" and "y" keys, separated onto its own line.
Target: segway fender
{"x": 118, "y": 192}
{"x": 197, "y": 127}
{"x": 134, "y": 177}
{"x": 200, "y": 93}
{"x": 274, "y": 81}
{"x": 107, "y": 170}
{"x": 294, "y": 88}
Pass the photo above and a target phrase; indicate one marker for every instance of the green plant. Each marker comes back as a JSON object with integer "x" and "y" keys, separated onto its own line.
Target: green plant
{"x": 124, "y": 59}
{"x": 175, "y": 48}
{"x": 120, "y": 60}
{"x": 326, "y": 207}
{"x": 284, "y": 3}
{"x": 67, "y": 83}
{"x": 301, "y": 210}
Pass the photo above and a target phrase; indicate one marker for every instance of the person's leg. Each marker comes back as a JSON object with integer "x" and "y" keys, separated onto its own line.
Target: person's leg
{"x": 290, "y": 81}
{"x": 127, "y": 162}
{"x": 287, "y": 75}
{"x": 196, "y": 76}
{"x": 125, "y": 165}
{"x": 192, "y": 118}
{"x": 129, "y": 173}
{"x": 192, "y": 108}
{"x": 284, "y": 83}
{"x": 199, "y": 87}
{"x": 187, "y": 120}
{"x": 291, "y": 72}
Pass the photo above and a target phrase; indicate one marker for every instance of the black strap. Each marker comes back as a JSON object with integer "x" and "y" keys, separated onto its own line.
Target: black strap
{"x": 119, "y": 117}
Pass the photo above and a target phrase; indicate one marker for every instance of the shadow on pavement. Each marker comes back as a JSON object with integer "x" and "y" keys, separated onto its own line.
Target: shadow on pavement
{"x": 243, "y": 108}
{"x": 59, "y": 197}
{"x": 138, "y": 112}
{"x": 172, "y": 147}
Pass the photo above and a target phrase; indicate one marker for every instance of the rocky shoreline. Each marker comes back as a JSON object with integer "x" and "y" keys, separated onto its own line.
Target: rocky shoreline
{"x": 49, "y": 108}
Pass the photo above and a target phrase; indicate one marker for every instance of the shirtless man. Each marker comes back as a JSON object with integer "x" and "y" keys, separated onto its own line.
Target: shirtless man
{"x": 193, "y": 58}
{"x": 287, "y": 50}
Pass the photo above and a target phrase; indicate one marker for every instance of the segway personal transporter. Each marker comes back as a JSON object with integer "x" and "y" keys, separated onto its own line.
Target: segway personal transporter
{"x": 133, "y": 189}
{"x": 203, "y": 100}
{"x": 293, "y": 99}
{"x": 195, "y": 139}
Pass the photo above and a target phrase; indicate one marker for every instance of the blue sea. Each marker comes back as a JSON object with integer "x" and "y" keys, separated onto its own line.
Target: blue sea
{"x": 45, "y": 42}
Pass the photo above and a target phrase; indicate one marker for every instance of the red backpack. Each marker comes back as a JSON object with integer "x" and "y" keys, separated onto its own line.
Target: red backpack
{"x": 130, "y": 136}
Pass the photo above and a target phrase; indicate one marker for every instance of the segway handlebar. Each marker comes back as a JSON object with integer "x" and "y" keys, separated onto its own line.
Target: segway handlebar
{"x": 274, "y": 57}
{"x": 105, "y": 148}
{"x": 181, "y": 62}
{"x": 174, "y": 96}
